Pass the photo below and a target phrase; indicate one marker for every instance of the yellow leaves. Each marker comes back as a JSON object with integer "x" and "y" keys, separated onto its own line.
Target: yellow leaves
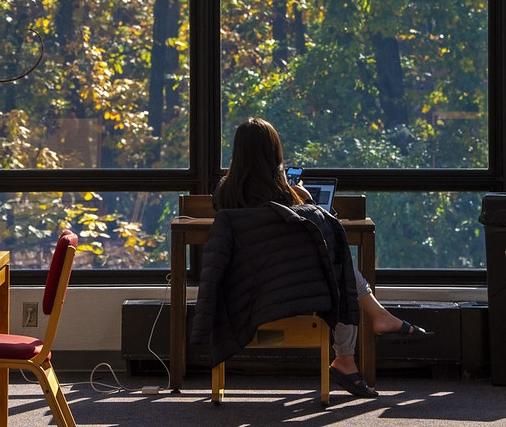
{"x": 43, "y": 24}
{"x": 405, "y": 37}
{"x": 118, "y": 68}
{"x": 85, "y": 31}
{"x": 130, "y": 232}
{"x": 95, "y": 248}
{"x": 365, "y": 6}
{"x": 482, "y": 6}
{"x": 375, "y": 126}
{"x": 442, "y": 51}
{"x": 112, "y": 115}
{"x": 425, "y": 108}
{"x": 88, "y": 196}
{"x": 128, "y": 229}
{"x": 88, "y": 219}
{"x": 62, "y": 225}
{"x": 84, "y": 93}
{"x": 425, "y": 130}
{"x": 437, "y": 97}
{"x": 131, "y": 242}
{"x": 178, "y": 44}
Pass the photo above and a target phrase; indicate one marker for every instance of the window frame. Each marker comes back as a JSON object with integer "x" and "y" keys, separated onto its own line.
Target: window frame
{"x": 205, "y": 157}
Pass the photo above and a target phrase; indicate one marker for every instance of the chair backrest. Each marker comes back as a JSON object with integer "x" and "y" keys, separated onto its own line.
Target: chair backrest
{"x": 201, "y": 206}
{"x": 56, "y": 286}
{"x": 66, "y": 239}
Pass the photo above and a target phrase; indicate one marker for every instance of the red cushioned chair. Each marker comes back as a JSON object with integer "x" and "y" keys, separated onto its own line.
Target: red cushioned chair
{"x": 34, "y": 355}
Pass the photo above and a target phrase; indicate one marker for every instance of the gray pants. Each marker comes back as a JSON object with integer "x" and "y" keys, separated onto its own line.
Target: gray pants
{"x": 345, "y": 336}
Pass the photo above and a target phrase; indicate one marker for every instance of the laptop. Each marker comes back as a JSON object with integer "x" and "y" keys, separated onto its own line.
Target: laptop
{"x": 322, "y": 190}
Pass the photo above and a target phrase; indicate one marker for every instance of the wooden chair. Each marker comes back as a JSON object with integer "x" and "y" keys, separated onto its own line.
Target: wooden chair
{"x": 303, "y": 331}
{"x": 34, "y": 355}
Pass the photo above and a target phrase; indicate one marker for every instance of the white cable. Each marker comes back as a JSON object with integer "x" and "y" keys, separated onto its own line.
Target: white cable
{"x": 119, "y": 387}
{"x": 112, "y": 388}
{"x": 28, "y": 380}
{"x": 153, "y": 330}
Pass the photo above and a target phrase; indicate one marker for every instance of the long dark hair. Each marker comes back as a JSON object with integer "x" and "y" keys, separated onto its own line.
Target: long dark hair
{"x": 256, "y": 174}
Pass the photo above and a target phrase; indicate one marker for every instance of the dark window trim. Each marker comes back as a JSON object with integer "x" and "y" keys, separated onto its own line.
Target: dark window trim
{"x": 424, "y": 277}
{"x": 157, "y": 277}
{"x": 97, "y": 180}
{"x": 406, "y": 180}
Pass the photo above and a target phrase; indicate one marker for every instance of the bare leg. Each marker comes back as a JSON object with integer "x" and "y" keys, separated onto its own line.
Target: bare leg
{"x": 345, "y": 364}
{"x": 383, "y": 320}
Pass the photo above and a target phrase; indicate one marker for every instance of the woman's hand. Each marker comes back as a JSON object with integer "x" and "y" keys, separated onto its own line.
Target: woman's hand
{"x": 301, "y": 191}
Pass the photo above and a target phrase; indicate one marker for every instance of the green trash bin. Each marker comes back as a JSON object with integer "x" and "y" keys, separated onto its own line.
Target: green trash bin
{"x": 493, "y": 217}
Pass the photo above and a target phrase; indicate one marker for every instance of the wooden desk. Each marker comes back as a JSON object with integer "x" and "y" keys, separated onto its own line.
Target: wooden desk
{"x": 4, "y": 325}
{"x": 195, "y": 232}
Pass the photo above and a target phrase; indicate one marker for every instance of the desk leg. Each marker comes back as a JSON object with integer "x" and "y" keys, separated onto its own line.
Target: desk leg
{"x": 4, "y": 329}
{"x": 367, "y": 339}
{"x": 178, "y": 311}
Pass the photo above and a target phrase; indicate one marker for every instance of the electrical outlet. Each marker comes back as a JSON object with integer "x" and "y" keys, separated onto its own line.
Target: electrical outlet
{"x": 30, "y": 314}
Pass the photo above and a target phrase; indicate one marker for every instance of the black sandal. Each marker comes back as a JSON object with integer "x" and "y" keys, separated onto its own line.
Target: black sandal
{"x": 353, "y": 383}
{"x": 404, "y": 332}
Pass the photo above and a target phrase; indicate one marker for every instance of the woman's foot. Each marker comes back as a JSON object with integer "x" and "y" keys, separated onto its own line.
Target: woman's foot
{"x": 384, "y": 322}
{"x": 345, "y": 364}
{"x": 344, "y": 372}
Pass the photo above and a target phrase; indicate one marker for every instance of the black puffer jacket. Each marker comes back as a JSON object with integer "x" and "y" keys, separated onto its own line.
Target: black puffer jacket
{"x": 267, "y": 263}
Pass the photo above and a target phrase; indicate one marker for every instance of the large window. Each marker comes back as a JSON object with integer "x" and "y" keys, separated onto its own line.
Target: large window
{"x": 117, "y": 230}
{"x": 137, "y": 101}
{"x": 367, "y": 86}
{"x": 110, "y": 92}
{"x": 427, "y": 229}
{"x": 360, "y": 84}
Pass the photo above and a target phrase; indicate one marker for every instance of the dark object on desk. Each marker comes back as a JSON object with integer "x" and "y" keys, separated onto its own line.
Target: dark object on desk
{"x": 322, "y": 191}
{"x": 493, "y": 216}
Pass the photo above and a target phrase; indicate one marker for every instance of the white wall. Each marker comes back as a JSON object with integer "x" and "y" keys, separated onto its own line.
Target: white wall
{"x": 91, "y": 318}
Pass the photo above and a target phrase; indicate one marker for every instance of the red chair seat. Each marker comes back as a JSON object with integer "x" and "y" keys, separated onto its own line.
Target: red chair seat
{"x": 19, "y": 347}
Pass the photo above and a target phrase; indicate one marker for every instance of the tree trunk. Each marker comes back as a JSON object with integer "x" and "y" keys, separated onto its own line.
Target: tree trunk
{"x": 390, "y": 81}
{"x": 66, "y": 39}
{"x": 299, "y": 30}
{"x": 158, "y": 64}
{"x": 16, "y": 36}
{"x": 279, "y": 32}
{"x": 64, "y": 22}
{"x": 171, "y": 94}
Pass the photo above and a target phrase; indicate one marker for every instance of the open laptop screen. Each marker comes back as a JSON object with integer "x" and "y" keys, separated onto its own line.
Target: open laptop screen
{"x": 322, "y": 191}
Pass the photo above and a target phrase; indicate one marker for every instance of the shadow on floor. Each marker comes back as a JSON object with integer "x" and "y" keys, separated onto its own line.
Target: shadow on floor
{"x": 260, "y": 401}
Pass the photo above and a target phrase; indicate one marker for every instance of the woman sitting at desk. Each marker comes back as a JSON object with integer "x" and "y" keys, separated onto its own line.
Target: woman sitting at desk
{"x": 256, "y": 176}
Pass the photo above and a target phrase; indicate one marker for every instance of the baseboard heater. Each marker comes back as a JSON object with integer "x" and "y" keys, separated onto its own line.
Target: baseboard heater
{"x": 460, "y": 337}
{"x": 460, "y": 340}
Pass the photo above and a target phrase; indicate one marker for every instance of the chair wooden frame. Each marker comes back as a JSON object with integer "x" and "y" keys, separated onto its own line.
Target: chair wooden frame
{"x": 304, "y": 331}
{"x": 40, "y": 365}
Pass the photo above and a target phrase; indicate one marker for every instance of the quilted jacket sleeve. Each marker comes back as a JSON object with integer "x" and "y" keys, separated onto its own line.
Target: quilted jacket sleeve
{"x": 216, "y": 258}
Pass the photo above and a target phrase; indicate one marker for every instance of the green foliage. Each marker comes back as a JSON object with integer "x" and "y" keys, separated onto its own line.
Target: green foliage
{"x": 87, "y": 106}
{"x": 327, "y": 106}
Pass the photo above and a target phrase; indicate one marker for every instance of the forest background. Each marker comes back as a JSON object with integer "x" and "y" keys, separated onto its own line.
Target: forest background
{"x": 348, "y": 83}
